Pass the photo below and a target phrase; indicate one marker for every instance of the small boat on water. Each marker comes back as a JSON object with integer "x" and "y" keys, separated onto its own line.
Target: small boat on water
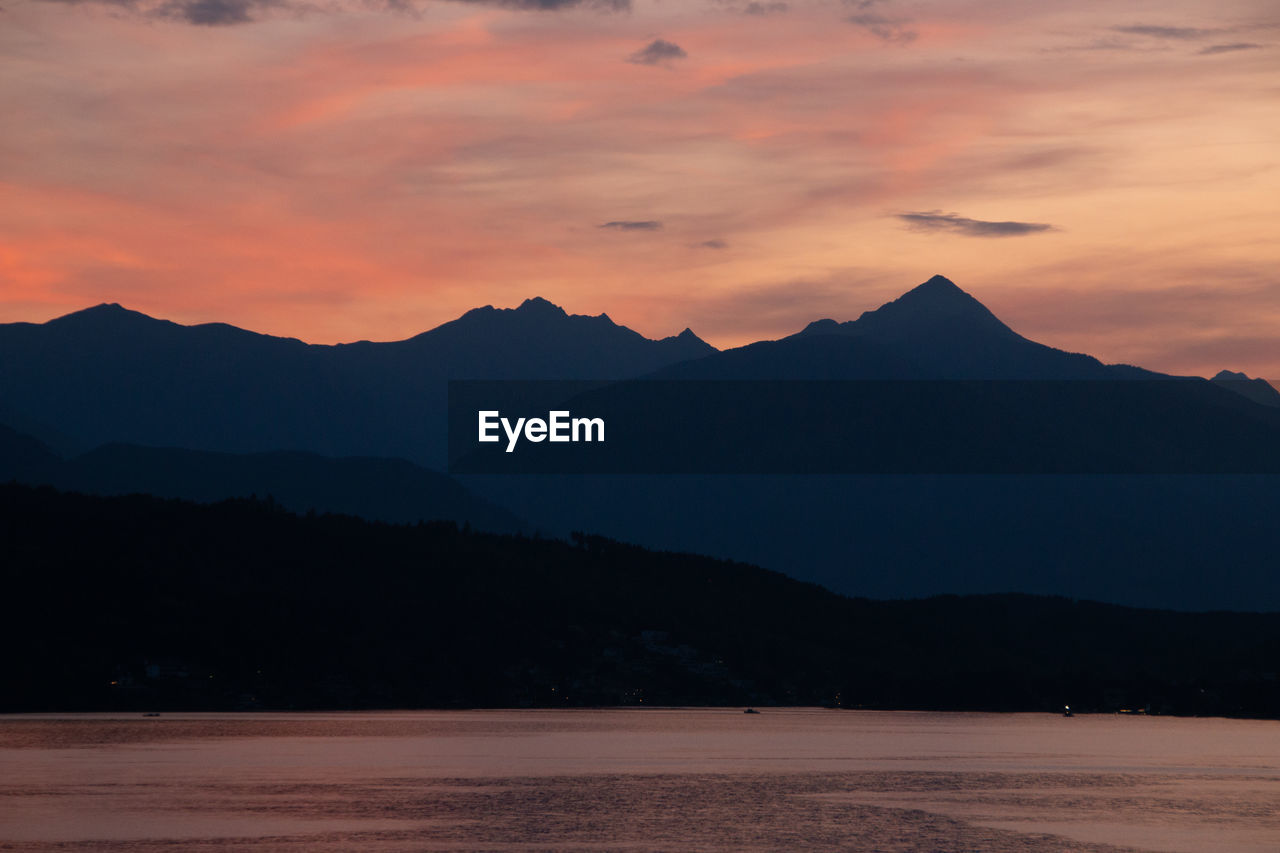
{"x": 751, "y": 711}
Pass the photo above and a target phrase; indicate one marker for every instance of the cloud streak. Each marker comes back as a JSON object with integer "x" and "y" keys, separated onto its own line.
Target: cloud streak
{"x": 658, "y": 52}
{"x": 768, "y": 8}
{"x": 885, "y": 27}
{"x": 210, "y": 13}
{"x": 894, "y": 29}
{"x": 632, "y": 225}
{"x": 1214, "y": 49}
{"x": 966, "y": 227}
{"x": 553, "y": 5}
{"x": 217, "y": 13}
{"x": 1160, "y": 32}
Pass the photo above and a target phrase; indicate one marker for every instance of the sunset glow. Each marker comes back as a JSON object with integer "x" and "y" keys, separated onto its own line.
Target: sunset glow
{"x": 1102, "y": 175}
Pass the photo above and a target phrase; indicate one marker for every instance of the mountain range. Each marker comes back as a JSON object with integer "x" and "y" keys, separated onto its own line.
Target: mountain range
{"x": 113, "y": 401}
{"x": 107, "y": 374}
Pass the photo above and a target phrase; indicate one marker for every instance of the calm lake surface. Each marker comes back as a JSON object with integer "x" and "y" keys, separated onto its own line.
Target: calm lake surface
{"x": 637, "y": 780}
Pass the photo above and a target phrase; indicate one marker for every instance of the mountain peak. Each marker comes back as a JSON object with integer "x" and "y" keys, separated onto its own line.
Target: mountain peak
{"x": 939, "y": 283}
{"x": 538, "y": 305}
{"x": 825, "y": 326}
{"x": 1257, "y": 390}
{"x": 105, "y": 313}
{"x": 688, "y": 344}
{"x": 938, "y": 300}
{"x": 939, "y": 293}
{"x": 102, "y": 309}
{"x": 918, "y": 311}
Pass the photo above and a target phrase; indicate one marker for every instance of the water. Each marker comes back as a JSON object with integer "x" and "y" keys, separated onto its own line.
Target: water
{"x": 637, "y": 780}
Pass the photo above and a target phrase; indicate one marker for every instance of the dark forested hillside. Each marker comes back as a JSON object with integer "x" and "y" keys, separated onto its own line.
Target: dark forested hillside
{"x": 141, "y": 603}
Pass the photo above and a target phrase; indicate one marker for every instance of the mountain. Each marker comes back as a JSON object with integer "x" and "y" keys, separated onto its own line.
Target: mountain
{"x": 951, "y": 335}
{"x": 107, "y": 374}
{"x": 391, "y": 490}
{"x": 1092, "y": 491}
{"x": 25, "y": 458}
{"x": 930, "y": 383}
{"x": 1160, "y": 538}
{"x": 1257, "y": 390}
{"x": 933, "y": 331}
{"x": 539, "y": 340}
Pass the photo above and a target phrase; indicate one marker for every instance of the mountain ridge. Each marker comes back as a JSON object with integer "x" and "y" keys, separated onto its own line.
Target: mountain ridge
{"x": 950, "y": 334}
{"x": 937, "y": 297}
{"x": 1258, "y": 390}
{"x": 388, "y": 490}
{"x": 110, "y": 374}
{"x": 218, "y": 389}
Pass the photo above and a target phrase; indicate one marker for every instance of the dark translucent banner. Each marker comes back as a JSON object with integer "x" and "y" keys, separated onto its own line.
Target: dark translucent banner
{"x": 859, "y": 427}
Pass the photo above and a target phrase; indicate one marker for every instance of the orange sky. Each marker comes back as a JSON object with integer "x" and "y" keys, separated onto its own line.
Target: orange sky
{"x": 337, "y": 171}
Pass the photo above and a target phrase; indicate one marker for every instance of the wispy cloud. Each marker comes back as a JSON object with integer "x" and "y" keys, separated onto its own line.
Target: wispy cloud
{"x": 1228, "y": 48}
{"x": 214, "y": 13}
{"x": 890, "y": 29}
{"x": 210, "y": 13}
{"x": 1157, "y": 37}
{"x": 756, "y": 8}
{"x": 126, "y": 3}
{"x": 658, "y": 52}
{"x": 633, "y": 225}
{"x": 1160, "y": 32}
{"x": 202, "y": 13}
{"x": 895, "y": 29}
{"x": 717, "y": 243}
{"x": 554, "y": 5}
{"x": 963, "y": 225}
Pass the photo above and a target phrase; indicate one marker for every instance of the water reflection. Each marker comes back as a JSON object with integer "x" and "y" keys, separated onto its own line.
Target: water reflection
{"x": 638, "y": 780}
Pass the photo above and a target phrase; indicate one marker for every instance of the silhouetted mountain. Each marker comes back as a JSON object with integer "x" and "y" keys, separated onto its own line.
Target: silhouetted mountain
{"x": 138, "y": 603}
{"x": 809, "y": 357}
{"x": 934, "y": 331}
{"x": 951, "y": 335}
{"x": 59, "y": 443}
{"x": 936, "y": 307}
{"x": 1165, "y": 538}
{"x": 1178, "y": 541}
{"x": 108, "y": 374}
{"x": 25, "y": 459}
{"x": 1257, "y": 390}
{"x": 1181, "y": 542}
{"x": 392, "y": 490}
{"x": 538, "y": 340}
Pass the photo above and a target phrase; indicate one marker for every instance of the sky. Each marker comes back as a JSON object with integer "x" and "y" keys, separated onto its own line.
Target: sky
{"x": 1103, "y": 175}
